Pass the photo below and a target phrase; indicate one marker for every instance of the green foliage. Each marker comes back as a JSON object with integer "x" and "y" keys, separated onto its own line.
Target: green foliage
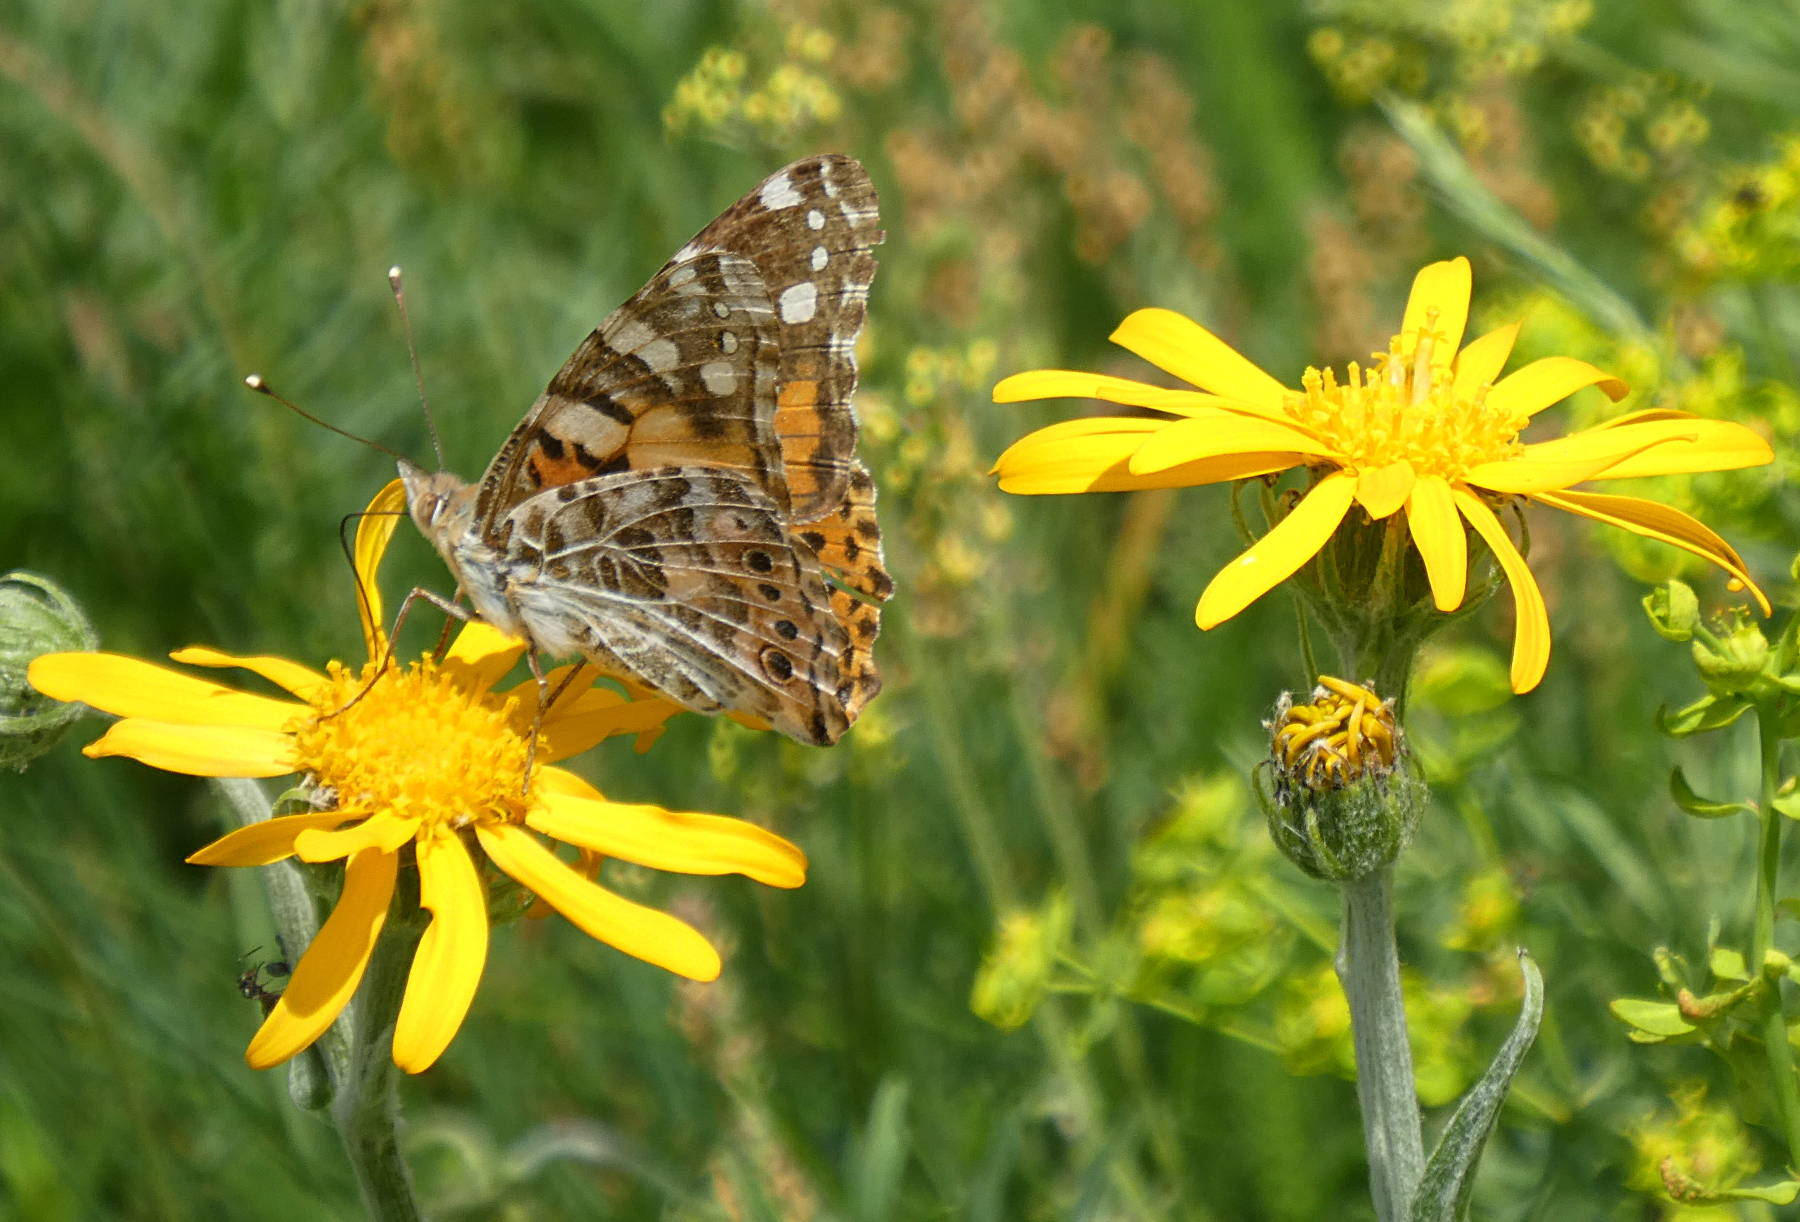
{"x": 192, "y": 193}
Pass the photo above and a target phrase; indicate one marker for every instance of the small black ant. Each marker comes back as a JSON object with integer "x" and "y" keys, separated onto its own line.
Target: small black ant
{"x": 251, "y": 982}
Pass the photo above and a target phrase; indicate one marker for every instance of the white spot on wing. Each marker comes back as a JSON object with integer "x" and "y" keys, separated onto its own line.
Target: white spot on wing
{"x": 630, "y": 335}
{"x": 779, "y": 192}
{"x": 819, "y": 257}
{"x": 681, "y": 275}
{"x": 660, "y": 354}
{"x": 815, "y": 219}
{"x": 728, "y": 342}
{"x": 685, "y": 253}
{"x": 799, "y": 303}
{"x": 719, "y": 376}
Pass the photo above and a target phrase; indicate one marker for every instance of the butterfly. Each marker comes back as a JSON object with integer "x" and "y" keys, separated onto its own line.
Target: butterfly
{"x": 683, "y": 506}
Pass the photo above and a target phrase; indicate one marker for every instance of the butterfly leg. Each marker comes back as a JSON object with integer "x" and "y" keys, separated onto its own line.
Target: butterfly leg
{"x": 417, "y": 593}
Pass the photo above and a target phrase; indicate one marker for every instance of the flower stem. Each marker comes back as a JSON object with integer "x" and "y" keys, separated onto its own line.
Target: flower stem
{"x": 365, "y": 1109}
{"x": 1368, "y": 966}
{"x": 1762, "y": 939}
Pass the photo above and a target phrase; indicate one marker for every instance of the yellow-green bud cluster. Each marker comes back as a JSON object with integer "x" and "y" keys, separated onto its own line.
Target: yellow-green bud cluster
{"x": 36, "y": 618}
{"x": 1341, "y": 796}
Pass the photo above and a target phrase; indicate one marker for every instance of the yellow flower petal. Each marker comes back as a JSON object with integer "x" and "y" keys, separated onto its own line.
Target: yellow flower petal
{"x": 451, "y": 955}
{"x": 1276, "y": 556}
{"x": 1696, "y": 445}
{"x": 644, "y": 933}
{"x": 1480, "y": 363}
{"x": 1525, "y": 392}
{"x": 1570, "y": 460}
{"x": 1188, "y": 350}
{"x": 1531, "y": 629}
{"x": 575, "y": 723}
{"x": 561, "y": 780}
{"x": 332, "y": 966}
{"x": 668, "y": 840}
{"x": 1438, "y": 533}
{"x": 1383, "y": 490}
{"x": 1444, "y": 287}
{"x": 131, "y": 687}
{"x": 1071, "y": 384}
{"x": 271, "y": 840}
{"x": 1059, "y": 459}
{"x": 296, "y": 678}
{"x": 1654, "y": 520}
{"x": 1217, "y": 435}
{"x": 243, "y": 751}
{"x": 383, "y": 831}
{"x": 483, "y": 655}
{"x": 373, "y": 530}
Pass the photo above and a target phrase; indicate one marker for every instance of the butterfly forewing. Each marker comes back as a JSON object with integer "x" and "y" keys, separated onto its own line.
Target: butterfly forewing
{"x": 811, "y": 229}
{"x": 684, "y": 372}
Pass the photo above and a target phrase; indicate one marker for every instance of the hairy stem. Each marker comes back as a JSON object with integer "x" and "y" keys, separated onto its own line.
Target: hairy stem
{"x": 1368, "y": 966}
{"x": 365, "y": 1110}
{"x": 1762, "y": 939}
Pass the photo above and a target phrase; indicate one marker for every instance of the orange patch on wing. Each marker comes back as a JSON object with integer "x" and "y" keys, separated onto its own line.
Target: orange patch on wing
{"x": 555, "y": 472}
{"x": 799, "y": 425}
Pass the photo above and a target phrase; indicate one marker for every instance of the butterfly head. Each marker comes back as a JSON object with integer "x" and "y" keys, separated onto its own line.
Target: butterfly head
{"x": 441, "y": 505}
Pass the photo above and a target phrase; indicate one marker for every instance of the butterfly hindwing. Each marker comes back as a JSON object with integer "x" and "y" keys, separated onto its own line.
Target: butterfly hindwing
{"x": 811, "y": 229}
{"x": 687, "y": 578}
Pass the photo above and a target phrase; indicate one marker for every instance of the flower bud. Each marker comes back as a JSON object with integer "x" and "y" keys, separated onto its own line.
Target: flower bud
{"x": 36, "y": 617}
{"x": 1674, "y": 610}
{"x": 1344, "y": 798}
{"x": 1733, "y": 661}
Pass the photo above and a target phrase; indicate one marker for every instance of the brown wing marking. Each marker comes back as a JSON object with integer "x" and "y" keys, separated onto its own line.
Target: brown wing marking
{"x": 686, "y": 579}
{"x": 684, "y": 373}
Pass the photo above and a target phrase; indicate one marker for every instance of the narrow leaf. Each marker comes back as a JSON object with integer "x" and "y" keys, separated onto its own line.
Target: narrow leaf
{"x": 1707, "y": 713}
{"x": 1699, "y": 807}
{"x": 1450, "y": 1172}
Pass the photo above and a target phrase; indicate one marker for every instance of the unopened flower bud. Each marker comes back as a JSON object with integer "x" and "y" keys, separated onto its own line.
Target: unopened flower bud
{"x": 36, "y": 617}
{"x": 1343, "y": 797}
{"x": 1674, "y": 610}
{"x": 1732, "y": 662}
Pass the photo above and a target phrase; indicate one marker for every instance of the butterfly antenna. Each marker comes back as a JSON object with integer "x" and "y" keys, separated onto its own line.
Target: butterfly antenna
{"x": 255, "y": 382}
{"x": 412, "y": 350}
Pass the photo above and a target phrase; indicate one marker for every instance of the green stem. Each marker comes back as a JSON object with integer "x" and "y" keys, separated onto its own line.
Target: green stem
{"x": 365, "y": 1109}
{"x": 1368, "y": 966}
{"x": 1762, "y": 939}
{"x": 355, "y": 1072}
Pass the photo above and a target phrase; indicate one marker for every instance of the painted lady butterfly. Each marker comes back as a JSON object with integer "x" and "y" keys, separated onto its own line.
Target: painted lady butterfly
{"x": 683, "y": 506}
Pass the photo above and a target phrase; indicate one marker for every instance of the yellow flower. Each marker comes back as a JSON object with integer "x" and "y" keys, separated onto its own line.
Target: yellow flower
{"x": 1428, "y": 429}
{"x": 431, "y": 758}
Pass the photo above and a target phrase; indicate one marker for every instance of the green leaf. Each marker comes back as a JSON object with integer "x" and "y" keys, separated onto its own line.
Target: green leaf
{"x": 1727, "y": 964}
{"x": 879, "y": 1153}
{"x": 1783, "y": 1193}
{"x": 1450, "y": 1171}
{"x": 1703, "y": 808}
{"x": 1658, "y": 1018}
{"x": 1788, "y": 804}
{"x": 1706, "y": 713}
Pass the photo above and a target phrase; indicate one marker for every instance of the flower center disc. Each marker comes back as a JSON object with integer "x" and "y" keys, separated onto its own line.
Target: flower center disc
{"x": 416, "y": 743}
{"x": 1404, "y": 410}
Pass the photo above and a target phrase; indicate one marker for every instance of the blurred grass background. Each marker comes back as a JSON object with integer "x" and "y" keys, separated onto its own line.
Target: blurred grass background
{"x": 1047, "y": 965}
